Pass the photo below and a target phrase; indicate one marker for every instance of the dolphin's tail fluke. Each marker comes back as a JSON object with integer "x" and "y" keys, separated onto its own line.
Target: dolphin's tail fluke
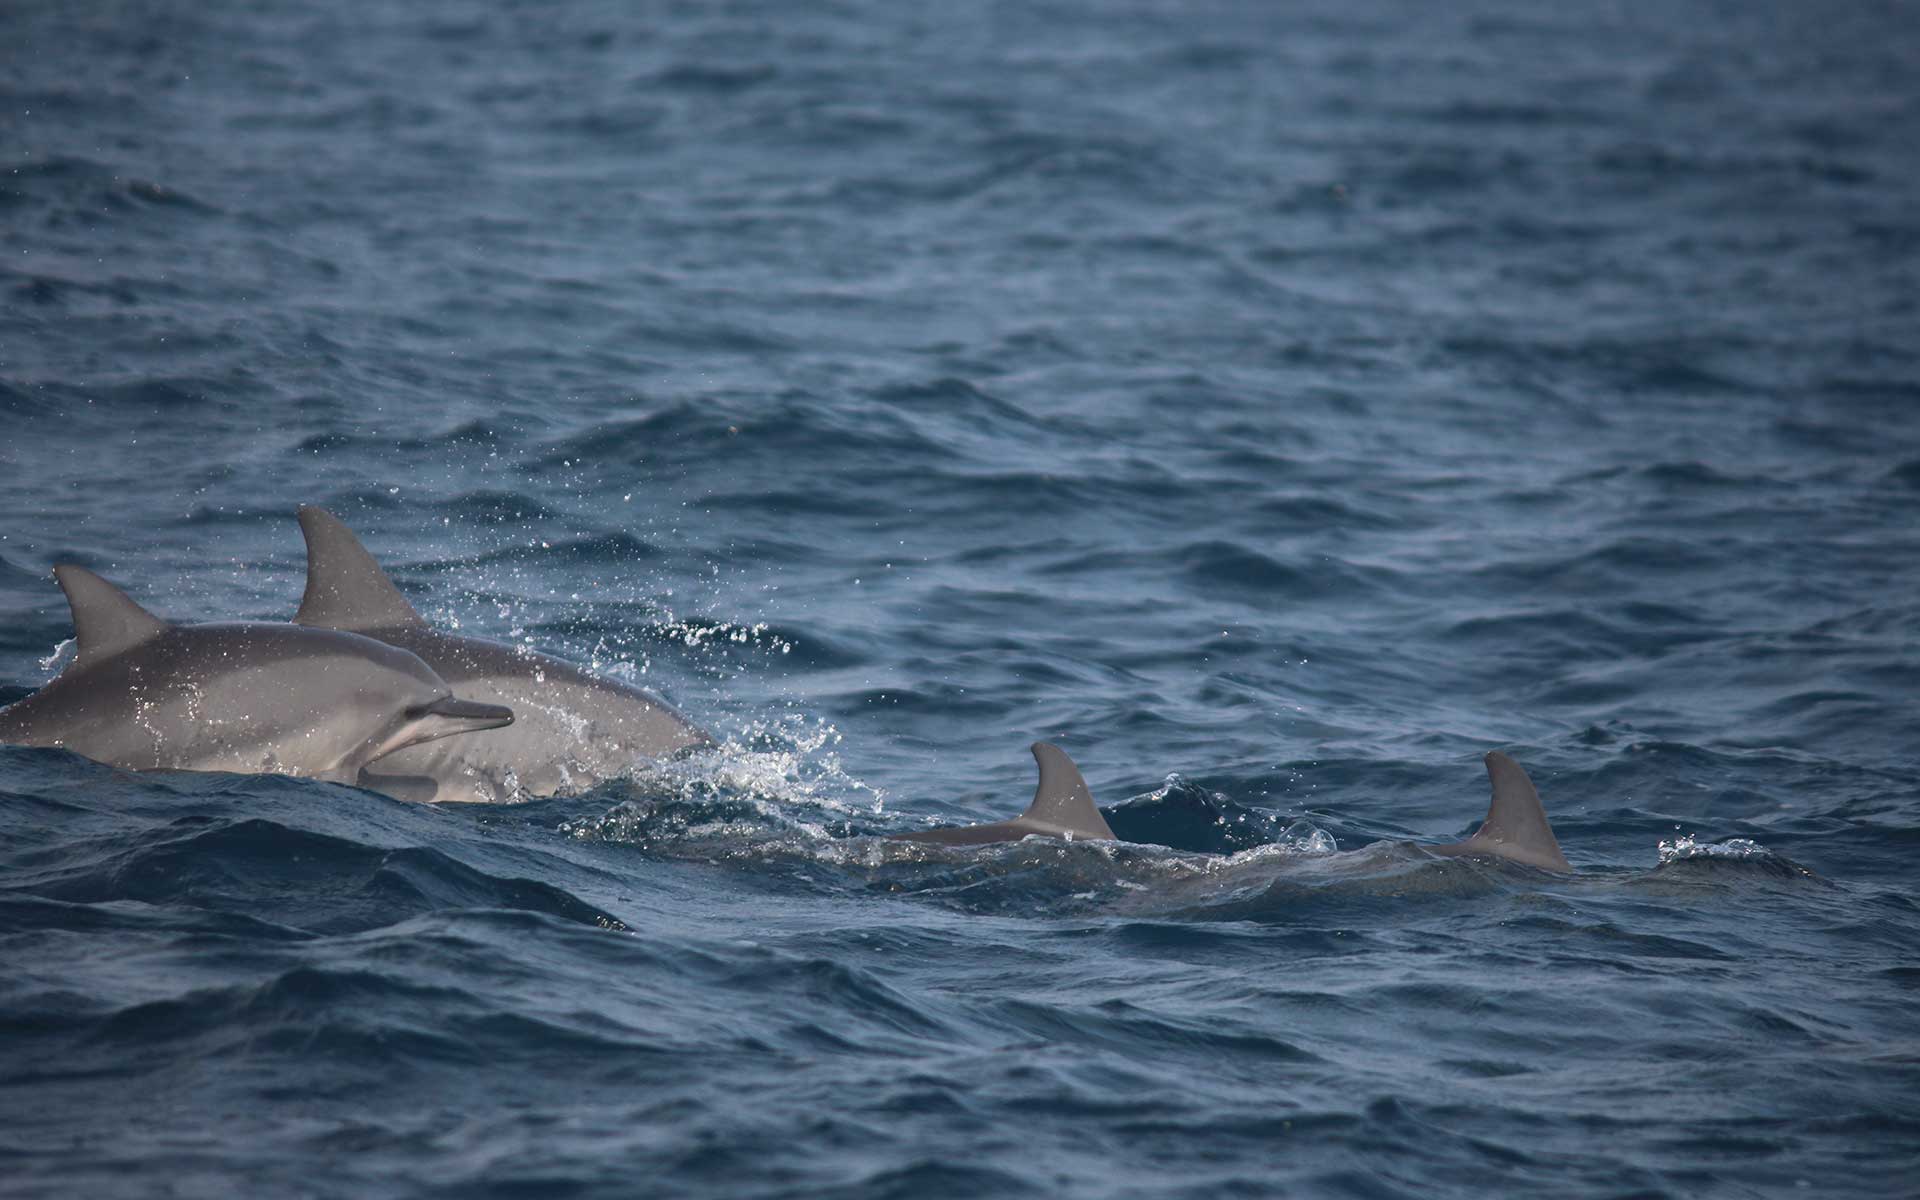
{"x": 1062, "y": 800}
{"x": 1516, "y": 826}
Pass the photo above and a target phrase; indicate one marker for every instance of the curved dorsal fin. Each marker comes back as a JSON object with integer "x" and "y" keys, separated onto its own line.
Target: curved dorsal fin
{"x": 1062, "y": 800}
{"x": 346, "y": 589}
{"x": 105, "y": 620}
{"x": 1516, "y": 825}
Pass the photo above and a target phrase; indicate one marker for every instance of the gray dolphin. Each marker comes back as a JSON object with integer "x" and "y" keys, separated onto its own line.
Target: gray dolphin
{"x": 244, "y": 696}
{"x": 571, "y": 730}
{"x": 1062, "y": 808}
{"x": 1516, "y": 826}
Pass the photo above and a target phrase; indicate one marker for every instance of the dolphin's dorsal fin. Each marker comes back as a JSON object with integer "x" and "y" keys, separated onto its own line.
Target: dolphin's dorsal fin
{"x": 1062, "y": 800}
{"x": 1516, "y": 825}
{"x": 105, "y": 620}
{"x": 346, "y": 589}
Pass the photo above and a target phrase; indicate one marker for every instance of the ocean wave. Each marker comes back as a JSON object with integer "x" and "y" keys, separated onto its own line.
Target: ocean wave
{"x": 305, "y": 880}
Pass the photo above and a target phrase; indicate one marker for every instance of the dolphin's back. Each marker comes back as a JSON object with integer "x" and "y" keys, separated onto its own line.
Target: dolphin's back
{"x": 1062, "y": 808}
{"x": 1516, "y": 827}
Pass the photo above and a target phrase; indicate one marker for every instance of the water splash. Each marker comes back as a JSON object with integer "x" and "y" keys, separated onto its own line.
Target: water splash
{"x": 1685, "y": 847}
{"x": 782, "y": 774}
{"x": 57, "y": 661}
{"x": 1304, "y": 837}
{"x": 696, "y": 633}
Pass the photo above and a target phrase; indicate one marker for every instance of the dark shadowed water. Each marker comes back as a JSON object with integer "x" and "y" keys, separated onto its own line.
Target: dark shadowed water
{"x": 1276, "y": 405}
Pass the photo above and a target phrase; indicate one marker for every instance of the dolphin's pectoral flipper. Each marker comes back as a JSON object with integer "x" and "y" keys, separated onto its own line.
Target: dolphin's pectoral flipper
{"x": 346, "y": 589}
{"x": 1062, "y": 802}
{"x": 106, "y": 621}
{"x": 1516, "y": 826}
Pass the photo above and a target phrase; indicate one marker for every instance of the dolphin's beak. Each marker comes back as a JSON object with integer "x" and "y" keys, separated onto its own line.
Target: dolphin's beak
{"x": 450, "y": 715}
{"x": 474, "y": 714}
{"x": 430, "y": 722}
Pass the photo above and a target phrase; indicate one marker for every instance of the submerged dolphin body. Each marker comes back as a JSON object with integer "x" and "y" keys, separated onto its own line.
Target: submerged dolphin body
{"x": 243, "y": 696}
{"x": 571, "y": 730}
{"x": 1516, "y": 826}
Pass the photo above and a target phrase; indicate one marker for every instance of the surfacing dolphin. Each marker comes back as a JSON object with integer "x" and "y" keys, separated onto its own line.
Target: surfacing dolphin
{"x": 248, "y": 696}
{"x": 571, "y": 729}
{"x": 1516, "y": 826}
{"x": 1515, "y": 829}
{"x": 1062, "y": 808}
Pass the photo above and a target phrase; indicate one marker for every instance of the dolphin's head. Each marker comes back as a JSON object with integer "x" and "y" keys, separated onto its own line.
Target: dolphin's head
{"x": 440, "y": 717}
{"x": 420, "y": 705}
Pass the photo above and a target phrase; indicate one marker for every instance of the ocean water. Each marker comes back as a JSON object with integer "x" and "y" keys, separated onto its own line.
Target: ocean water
{"x": 1277, "y": 406}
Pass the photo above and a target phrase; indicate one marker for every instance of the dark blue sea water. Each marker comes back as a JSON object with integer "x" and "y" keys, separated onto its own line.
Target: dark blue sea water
{"x": 1278, "y": 406}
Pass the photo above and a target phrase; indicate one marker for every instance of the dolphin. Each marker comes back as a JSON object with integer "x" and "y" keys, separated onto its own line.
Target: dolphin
{"x": 1062, "y": 808}
{"x": 1515, "y": 828}
{"x": 248, "y": 696}
{"x": 572, "y": 729}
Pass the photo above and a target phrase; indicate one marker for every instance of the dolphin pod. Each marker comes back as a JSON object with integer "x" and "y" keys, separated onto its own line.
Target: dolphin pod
{"x": 1515, "y": 829}
{"x": 248, "y": 696}
{"x": 360, "y": 690}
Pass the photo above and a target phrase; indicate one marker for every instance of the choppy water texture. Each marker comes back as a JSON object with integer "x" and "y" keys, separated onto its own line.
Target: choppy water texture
{"x": 1297, "y": 399}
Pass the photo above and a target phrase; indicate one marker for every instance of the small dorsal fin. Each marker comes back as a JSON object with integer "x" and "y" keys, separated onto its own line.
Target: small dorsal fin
{"x": 1062, "y": 800}
{"x": 1516, "y": 825}
{"x": 346, "y": 589}
{"x": 105, "y": 620}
